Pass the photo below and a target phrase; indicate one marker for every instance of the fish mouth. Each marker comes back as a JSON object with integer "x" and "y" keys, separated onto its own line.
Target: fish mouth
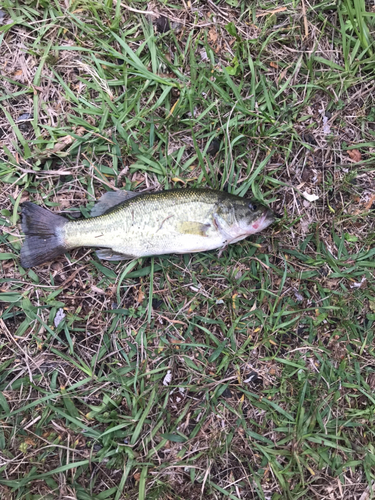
{"x": 268, "y": 218}
{"x": 265, "y": 220}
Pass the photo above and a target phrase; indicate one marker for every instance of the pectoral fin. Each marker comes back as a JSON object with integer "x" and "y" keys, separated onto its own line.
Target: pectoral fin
{"x": 192, "y": 227}
{"x": 110, "y": 200}
{"x": 109, "y": 254}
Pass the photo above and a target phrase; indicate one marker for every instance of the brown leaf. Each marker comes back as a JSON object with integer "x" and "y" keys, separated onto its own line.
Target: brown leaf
{"x": 141, "y": 296}
{"x": 282, "y": 75}
{"x": 137, "y": 178}
{"x": 29, "y": 441}
{"x": 368, "y": 205}
{"x": 355, "y": 155}
{"x": 59, "y": 146}
{"x": 137, "y": 476}
{"x": 212, "y": 35}
{"x": 274, "y": 65}
{"x": 272, "y": 370}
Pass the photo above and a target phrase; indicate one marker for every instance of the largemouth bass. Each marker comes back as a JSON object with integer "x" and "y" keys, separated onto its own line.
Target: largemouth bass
{"x": 126, "y": 225}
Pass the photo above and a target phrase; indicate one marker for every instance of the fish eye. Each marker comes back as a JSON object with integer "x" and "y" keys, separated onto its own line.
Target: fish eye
{"x": 252, "y": 207}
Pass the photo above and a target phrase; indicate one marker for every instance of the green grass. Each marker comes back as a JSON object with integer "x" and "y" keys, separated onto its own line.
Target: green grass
{"x": 271, "y": 345}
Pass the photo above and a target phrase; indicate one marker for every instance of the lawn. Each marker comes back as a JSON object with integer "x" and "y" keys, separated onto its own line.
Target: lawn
{"x": 245, "y": 375}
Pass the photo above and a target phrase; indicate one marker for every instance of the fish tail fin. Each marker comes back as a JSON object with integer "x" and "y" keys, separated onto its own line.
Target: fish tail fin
{"x": 44, "y": 238}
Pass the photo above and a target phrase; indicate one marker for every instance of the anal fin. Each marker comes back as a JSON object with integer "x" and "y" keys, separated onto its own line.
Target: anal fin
{"x": 109, "y": 254}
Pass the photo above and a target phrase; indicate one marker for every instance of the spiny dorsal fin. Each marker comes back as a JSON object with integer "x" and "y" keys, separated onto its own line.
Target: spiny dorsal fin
{"x": 110, "y": 200}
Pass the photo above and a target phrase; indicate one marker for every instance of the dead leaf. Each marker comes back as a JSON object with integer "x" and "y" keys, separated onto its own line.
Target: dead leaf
{"x": 274, "y": 65}
{"x": 355, "y": 155}
{"x": 168, "y": 378}
{"x": 141, "y": 296}
{"x": 273, "y": 371}
{"x": 137, "y": 178}
{"x": 234, "y": 297}
{"x": 29, "y": 441}
{"x": 62, "y": 143}
{"x": 359, "y": 284}
{"x": 282, "y": 74}
{"x": 81, "y": 131}
{"x": 332, "y": 283}
{"x": 370, "y": 202}
{"x": 173, "y": 108}
{"x": 310, "y": 197}
{"x": 212, "y": 35}
{"x": 177, "y": 179}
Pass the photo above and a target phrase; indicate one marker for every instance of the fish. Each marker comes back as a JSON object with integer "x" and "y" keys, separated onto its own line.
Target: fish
{"x": 126, "y": 225}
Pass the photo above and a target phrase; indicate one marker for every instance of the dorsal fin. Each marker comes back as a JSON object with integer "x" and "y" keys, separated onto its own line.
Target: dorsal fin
{"x": 110, "y": 200}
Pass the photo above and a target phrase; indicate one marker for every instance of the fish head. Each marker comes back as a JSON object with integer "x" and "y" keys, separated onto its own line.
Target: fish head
{"x": 236, "y": 219}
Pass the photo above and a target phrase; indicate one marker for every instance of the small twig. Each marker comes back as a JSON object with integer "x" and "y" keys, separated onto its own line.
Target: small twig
{"x": 146, "y": 12}
{"x": 46, "y": 172}
{"x": 174, "y": 321}
{"x": 305, "y": 19}
{"x": 270, "y": 12}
